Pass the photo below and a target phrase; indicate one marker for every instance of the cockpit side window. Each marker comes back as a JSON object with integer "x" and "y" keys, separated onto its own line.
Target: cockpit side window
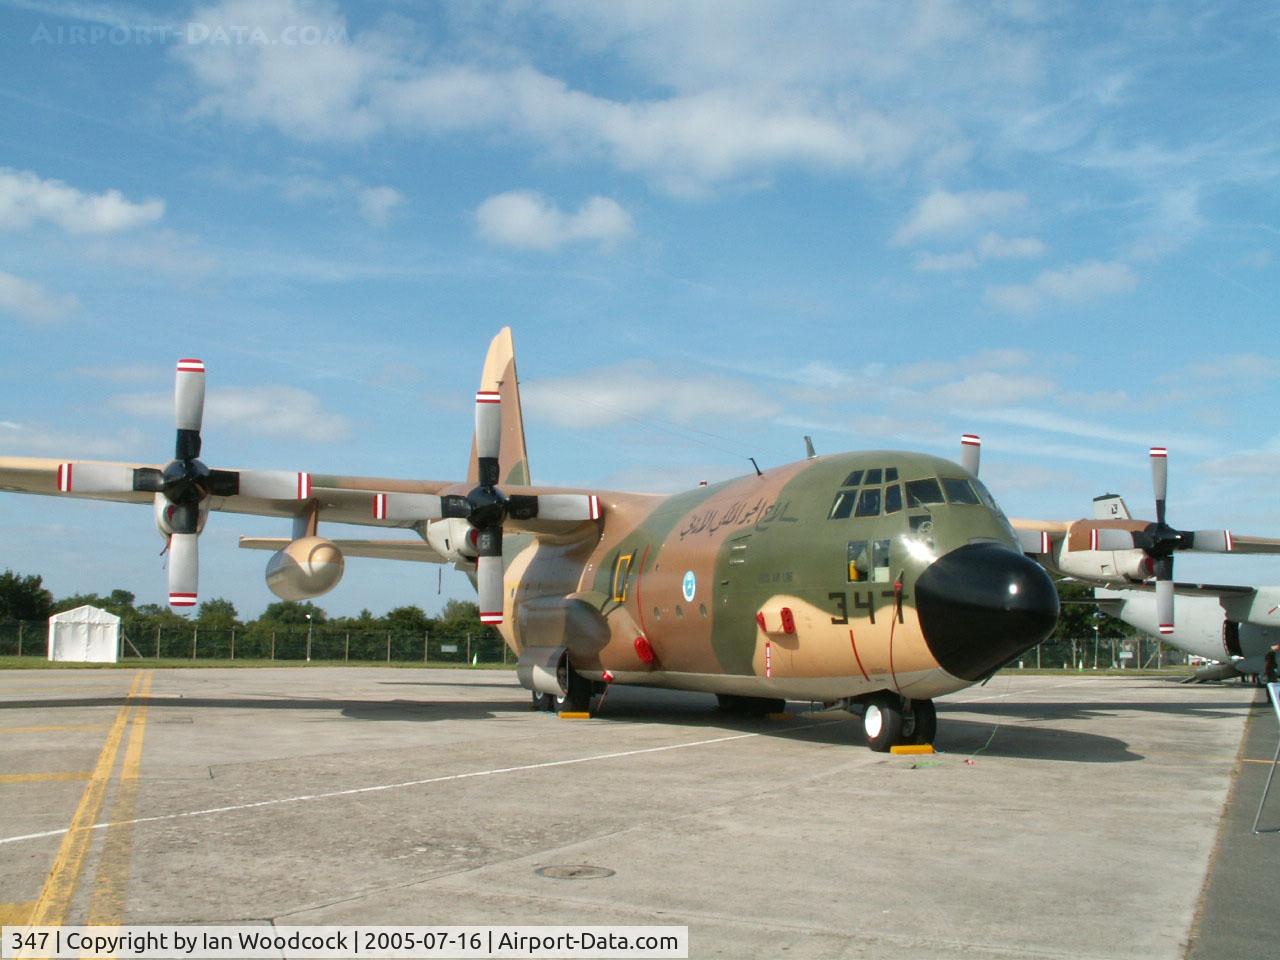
{"x": 874, "y": 475}
{"x": 853, "y": 479}
{"x": 959, "y": 491}
{"x": 868, "y": 503}
{"x": 922, "y": 492}
{"x": 842, "y": 506}
{"x": 892, "y": 498}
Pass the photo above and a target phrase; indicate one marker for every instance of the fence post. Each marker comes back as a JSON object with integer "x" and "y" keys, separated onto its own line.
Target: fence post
{"x": 273, "y": 644}
{"x": 425, "y": 634}
{"x": 19, "y": 638}
{"x": 346, "y": 649}
{"x": 194, "y": 631}
{"x": 468, "y": 649}
{"x": 157, "y": 641}
{"x": 233, "y": 643}
{"x": 388, "y": 646}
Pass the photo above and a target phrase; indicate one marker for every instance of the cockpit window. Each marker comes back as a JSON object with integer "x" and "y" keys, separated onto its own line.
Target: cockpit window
{"x": 959, "y": 491}
{"x": 892, "y": 498}
{"x": 853, "y": 479}
{"x": 842, "y": 506}
{"x": 873, "y": 476}
{"x": 921, "y": 492}
{"x": 984, "y": 494}
{"x": 890, "y": 474}
{"x": 869, "y": 503}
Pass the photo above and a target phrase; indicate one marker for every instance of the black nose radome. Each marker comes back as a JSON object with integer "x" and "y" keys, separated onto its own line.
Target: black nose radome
{"x": 981, "y": 605}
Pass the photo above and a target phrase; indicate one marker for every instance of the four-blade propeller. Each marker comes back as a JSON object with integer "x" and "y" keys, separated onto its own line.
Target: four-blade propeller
{"x": 185, "y": 484}
{"x": 486, "y": 508}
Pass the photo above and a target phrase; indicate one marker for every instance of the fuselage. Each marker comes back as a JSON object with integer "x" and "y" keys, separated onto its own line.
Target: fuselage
{"x": 824, "y": 579}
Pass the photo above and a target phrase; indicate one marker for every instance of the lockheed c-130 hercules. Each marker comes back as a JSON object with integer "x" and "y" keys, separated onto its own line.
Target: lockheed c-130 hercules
{"x": 874, "y": 580}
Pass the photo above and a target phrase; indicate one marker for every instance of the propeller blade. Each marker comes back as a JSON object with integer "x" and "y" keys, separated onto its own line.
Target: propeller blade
{"x": 1160, "y": 479}
{"x": 568, "y": 506}
{"x": 488, "y": 423}
{"x": 1034, "y": 542}
{"x": 406, "y": 506}
{"x": 489, "y": 586}
{"x": 455, "y": 507}
{"x": 184, "y": 569}
{"x": 1163, "y": 567}
{"x": 188, "y": 407}
{"x": 1212, "y": 541}
{"x": 275, "y": 485}
{"x": 970, "y": 452}
{"x": 95, "y": 478}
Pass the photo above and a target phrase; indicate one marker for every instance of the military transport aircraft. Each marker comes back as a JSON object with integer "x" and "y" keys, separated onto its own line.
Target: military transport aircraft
{"x": 1233, "y": 625}
{"x": 877, "y": 580}
{"x": 1130, "y": 564}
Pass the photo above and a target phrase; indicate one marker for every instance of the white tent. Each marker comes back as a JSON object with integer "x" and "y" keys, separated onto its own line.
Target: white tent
{"x": 85, "y": 635}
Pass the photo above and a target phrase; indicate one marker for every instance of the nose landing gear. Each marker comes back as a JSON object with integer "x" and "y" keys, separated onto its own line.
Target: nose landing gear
{"x": 891, "y": 720}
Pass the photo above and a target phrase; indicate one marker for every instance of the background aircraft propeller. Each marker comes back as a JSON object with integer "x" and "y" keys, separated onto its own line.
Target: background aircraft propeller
{"x": 185, "y": 483}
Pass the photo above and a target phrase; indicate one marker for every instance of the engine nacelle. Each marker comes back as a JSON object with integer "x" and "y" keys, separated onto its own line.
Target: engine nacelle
{"x": 163, "y": 510}
{"x": 1109, "y": 565}
{"x": 452, "y": 538}
{"x": 306, "y": 568}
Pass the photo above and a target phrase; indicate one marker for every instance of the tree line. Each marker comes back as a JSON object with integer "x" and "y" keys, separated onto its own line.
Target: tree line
{"x": 285, "y": 629}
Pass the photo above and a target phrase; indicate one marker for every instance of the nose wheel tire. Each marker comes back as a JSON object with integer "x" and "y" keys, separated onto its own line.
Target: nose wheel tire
{"x": 890, "y": 720}
{"x": 578, "y": 699}
{"x": 882, "y": 722}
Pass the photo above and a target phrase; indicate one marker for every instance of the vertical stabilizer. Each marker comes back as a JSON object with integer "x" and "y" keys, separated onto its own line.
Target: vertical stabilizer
{"x": 500, "y": 375}
{"x": 1110, "y": 506}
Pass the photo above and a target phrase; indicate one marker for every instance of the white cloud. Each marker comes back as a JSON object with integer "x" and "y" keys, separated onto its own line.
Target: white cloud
{"x": 942, "y": 213}
{"x": 272, "y": 411}
{"x": 162, "y": 251}
{"x": 378, "y": 203}
{"x": 31, "y": 302}
{"x": 529, "y": 221}
{"x": 993, "y": 246}
{"x": 1079, "y": 283}
{"x": 945, "y": 262}
{"x": 40, "y": 440}
{"x": 26, "y": 199}
{"x": 637, "y": 390}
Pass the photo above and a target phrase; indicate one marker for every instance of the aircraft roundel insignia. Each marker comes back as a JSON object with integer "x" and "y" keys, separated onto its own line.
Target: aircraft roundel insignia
{"x": 690, "y": 585}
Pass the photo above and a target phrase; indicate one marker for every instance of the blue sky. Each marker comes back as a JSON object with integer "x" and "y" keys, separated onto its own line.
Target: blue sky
{"x": 714, "y": 228}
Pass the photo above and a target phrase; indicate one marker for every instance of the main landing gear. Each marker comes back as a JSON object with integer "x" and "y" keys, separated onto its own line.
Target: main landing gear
{"x": 890, "y": 720}
{"x": 576, "y": 700}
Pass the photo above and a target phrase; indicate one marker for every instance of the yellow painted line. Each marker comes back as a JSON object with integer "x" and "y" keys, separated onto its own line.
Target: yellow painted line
{"x": 15, "y": 914}
{"x": 57, "y": 728}
{"x": 1251, "y": 760}
{"x": 60, "y": 886}
{"x": 45, "y": 777}
{"x": 106, "y": 908}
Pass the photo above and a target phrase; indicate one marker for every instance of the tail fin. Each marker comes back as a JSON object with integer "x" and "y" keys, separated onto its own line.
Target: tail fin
{"x": 1110, "y": 506}
{"x": 500, "y": 375}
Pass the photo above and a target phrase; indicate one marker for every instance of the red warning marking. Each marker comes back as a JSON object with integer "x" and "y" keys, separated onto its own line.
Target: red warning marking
{"x": 190, "y": 365}
{"x": 788, "y": 621}
{"x": 593, "y": 506}
{"x": 768, "y": 658}
{"x": 491, "y": 617}
{"x": 304, "y": 486}
{"x": 1231, "y": 544}
{"x": 760, "y": 621}
{"x": 607, "y": 677}
{"x": 971, "y": 440}
{"x": 182, "y": 599}
{"x": 488, "y": 396}
{"x": 1159, "y": 452}
{"x": 64, "y": 477}
{"x": 380, "y": 506}
{"x": 1093, "y": 539}
{"x": 1166, "y": 628}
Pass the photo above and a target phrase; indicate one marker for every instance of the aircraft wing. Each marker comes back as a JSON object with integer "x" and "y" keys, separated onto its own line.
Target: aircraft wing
{"x": 375, "y": 549}
{"x": 340, "y": 499}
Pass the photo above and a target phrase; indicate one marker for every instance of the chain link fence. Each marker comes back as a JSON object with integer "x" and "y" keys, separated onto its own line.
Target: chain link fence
{"x": 257, "y": 642}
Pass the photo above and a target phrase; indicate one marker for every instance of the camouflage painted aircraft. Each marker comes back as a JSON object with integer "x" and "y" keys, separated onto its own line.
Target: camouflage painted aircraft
{"x": 876, "y": 580}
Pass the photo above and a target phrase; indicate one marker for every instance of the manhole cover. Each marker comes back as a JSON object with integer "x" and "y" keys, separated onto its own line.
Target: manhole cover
{"x": 574, "y": 871}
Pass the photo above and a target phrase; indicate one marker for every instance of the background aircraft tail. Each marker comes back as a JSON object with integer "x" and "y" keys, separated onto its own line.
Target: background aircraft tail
{"x": 1110, "y": 506}
{"x": 500, "y": 375}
